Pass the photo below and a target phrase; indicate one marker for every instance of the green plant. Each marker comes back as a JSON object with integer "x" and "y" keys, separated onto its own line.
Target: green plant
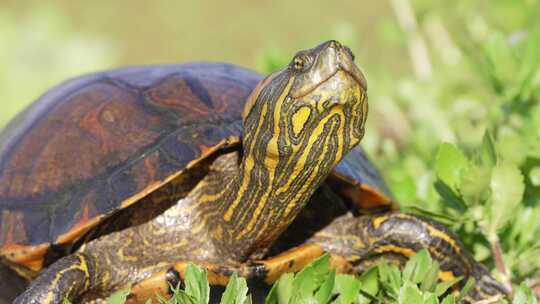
{"x": 484, "y": 177}
{"x": 317, "y": 283}
{"x": 195, "y": 290}
{"x": 381, "y": 284}
{"x": 458, "y": 137}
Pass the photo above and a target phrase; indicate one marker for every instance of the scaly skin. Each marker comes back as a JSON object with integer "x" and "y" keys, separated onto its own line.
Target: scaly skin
{"x": 298, "y": 124}
{"x": 114, "y": 260}
{"x": 397, "y": 236}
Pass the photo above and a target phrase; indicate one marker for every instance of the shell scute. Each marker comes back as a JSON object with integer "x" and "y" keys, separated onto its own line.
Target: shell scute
{"x": 97, "y": 143}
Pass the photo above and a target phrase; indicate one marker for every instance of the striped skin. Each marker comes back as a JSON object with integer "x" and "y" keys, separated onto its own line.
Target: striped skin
{"x": 97, "y": 144}
{"x": 396, "y": 236}
{"x": 281, "y": 168}
{"x": 288, "y": 156}
{"x": 298, "y": 124}
{"x": 297, "y": 128}
{"x": 73, "y": 273}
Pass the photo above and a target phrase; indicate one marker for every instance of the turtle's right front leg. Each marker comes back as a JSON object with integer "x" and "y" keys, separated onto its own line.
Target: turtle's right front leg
{"x": 397, "y": 236}
{"x": 67, "y": 278}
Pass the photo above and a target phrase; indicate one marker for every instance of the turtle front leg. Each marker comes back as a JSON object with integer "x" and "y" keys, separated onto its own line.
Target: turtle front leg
{"x": 67, "y": 278}
{"x": 364, "y": 240}
{"x": 259, "y": 271}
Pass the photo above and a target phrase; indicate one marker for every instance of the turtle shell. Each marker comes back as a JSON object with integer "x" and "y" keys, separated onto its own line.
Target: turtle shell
{"x": 99, "y": 143}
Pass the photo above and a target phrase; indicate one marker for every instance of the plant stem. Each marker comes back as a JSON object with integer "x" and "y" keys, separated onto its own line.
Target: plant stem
{"x": 496, "y": 250}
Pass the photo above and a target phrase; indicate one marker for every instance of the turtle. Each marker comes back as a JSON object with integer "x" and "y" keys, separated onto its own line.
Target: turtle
{"x": 122, "y": 178}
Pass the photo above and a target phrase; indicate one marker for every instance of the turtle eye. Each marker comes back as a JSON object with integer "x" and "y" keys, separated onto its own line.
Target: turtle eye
{"x": 299, "y": 63}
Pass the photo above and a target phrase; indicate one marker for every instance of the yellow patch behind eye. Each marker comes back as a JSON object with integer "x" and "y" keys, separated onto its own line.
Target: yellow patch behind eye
{"x": 299, "y": 119}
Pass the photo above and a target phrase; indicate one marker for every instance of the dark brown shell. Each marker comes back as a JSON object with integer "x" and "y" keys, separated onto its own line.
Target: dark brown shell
{"x": 99, "y": 143}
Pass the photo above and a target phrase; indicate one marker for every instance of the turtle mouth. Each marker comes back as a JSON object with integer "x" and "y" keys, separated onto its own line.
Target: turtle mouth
{"x": 354, "y": 74}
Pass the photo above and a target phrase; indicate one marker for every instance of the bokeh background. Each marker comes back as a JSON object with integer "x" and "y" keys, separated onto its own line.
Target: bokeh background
{"x": 45, "y": 42}
{"x": 462, "y": 72}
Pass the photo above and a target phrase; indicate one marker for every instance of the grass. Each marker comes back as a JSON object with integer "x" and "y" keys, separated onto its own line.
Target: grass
{"x": 318, "y": 284}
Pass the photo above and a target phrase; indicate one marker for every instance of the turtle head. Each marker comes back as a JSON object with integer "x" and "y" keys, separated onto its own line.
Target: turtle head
{"x": 312, "y": 111}
{"x": 298, "y": 124}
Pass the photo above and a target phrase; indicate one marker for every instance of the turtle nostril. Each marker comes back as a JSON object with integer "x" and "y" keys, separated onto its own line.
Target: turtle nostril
{"x": 334, "y": 44}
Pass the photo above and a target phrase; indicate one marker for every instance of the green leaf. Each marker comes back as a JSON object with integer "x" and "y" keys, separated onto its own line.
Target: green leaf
{"x": 236, "y": 291}
{"x": 324, "y": 293}
{"x": 507, "y": 187}
{"x": 369, "y": 282}
{"x": 512, "y": 149}
{"x": 530, "y": 63}
{"x": 442, "y": 287}
{"x": 475, "y": 185}
{"x": 281, "y": 291}
{"x": 119, "y": 297}
{"x": 410, "y": 293}
{"x": 432, "y": 276}
{"x": 489, "y": 155}
{"x": 417, "y": 267}
{"x": 449, "y": 164}
{"x": 347, "y": 287}
{"x": 469, "y": 285}
{"x": 180, "y": 297}
{"x": 450, "y": 198}
{"x": 390, "y": 277}
{"x": 502, "y": 64}
{"x": 430, "y": 298}
{"x": 524, "y": 295}
{"x": 196, "y": 282}
{"x": 449, "y": 299}
{"x": 310, "y": 278}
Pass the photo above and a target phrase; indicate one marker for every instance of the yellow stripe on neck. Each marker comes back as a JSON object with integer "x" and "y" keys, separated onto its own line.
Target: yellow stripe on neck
{"x": 269, "y": 162}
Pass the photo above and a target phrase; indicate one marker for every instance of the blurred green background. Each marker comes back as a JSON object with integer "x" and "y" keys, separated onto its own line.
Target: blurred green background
{"x": 454, "y": 88}
{"x": 45, "y": 42}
